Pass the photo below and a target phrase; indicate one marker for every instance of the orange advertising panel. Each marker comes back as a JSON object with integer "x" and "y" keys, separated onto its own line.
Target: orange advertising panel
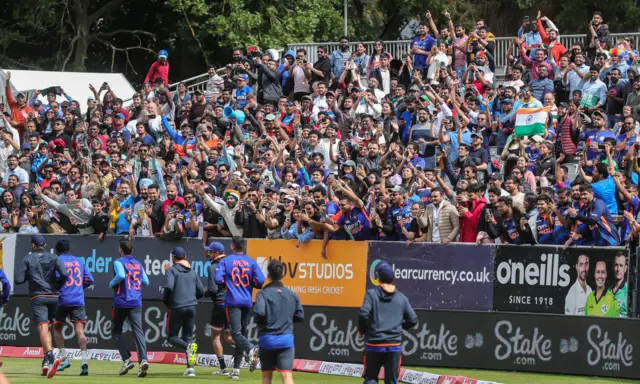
{"x": 338, "y": 281}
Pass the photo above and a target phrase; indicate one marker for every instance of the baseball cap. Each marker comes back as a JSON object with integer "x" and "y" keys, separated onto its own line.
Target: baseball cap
{"x": 243, "y": 77}
{"x": 384, "y": 272}
{"x": 63, "y": 245}
{"x": 306, "y": 97}
{"x": 37, "y": 240}
{"x": 178, "y": 252}
{"x": 537, "y": 138}
{"x": 270, "y": 117}
{"x": 120, "y": 115}
{"x": 599, "y": 112}
{"x": 163, "y": 54}
{"x": 507, "y": 101}
{"x": 37, "y": 103}
{"x": 397, "y": 188}
{"x": 215, "y": 247}
{"x": 349, "y": 163}
{"x": 476, "y": 134}
{"x": 25, "y": 146}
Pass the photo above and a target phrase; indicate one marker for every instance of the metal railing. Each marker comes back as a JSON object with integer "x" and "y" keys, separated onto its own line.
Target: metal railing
{"x": 396, "y": 48}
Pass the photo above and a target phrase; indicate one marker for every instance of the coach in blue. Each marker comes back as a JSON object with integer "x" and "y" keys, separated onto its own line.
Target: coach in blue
{"x": 181, "y": 293}
{"x": 45, "y": 273}
{"x": 127, "y": 304}
{"x": 384, "y": 314}
{"x": 276, "y": 309}
{"x": 71, "y": 304}
{"x": 240, "y": 275}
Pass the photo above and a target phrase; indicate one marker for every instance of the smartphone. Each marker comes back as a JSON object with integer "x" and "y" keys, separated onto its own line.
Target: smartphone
{"x": 264, "y": 136}
{"x": 526, "y": 18}
{"x": 227, "y": 134}
{"x": 171, "y": 211}
{"x": 306, "y": 189}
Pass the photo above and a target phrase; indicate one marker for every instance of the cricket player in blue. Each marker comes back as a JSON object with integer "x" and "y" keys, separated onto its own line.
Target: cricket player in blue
{"x": 127, "y": 304}
{"x": 181, "y": 293}
{"x": 6, "y": 292}
{"x": 276, "y": 309}
{"x": 384, "y": 314}
{"x": 71, "y": 304}
{"x": 215, "y": 253}
{"x": 240, "y": 275}
{"x": 45, "y": 273}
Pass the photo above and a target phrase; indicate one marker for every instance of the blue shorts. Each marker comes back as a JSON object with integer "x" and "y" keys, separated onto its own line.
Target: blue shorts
{"x": 77, "y": 314}
{"x": 277, "y": 359}
{"x": 218, "y": 319}
{"x": 44, "y": 309}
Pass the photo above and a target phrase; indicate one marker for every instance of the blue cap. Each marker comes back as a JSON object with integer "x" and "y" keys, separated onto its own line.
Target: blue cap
{"x": 25, "y": 146}
{"x": 120, "y": 115}
{"x": 163, "y": 54}
{"x": 63, "y": 245}
{"x": 215, "y": 247}
{"x": 179, "y": 253}
{"x": 507, "y": 101}
{"x": 37, "y": 240}
{"x": 243, "y": 77}
{"x": 384, "y": 272}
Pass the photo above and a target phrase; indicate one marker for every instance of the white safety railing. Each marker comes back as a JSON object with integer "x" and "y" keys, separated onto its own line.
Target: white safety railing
{"x": 399, "y": 47}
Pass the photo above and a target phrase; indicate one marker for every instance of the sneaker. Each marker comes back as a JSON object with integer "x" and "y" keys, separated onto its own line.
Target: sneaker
{"x": 192, "y": 357}
{"x": 53, "y": 368}
{"x": 84, "y": 369}
{"x": 64, "y": 365}
{"x": 190, "y": 372}
{"x": 221, "y": 372}
{"x": 45, "y": 369}
{"x": 127, "y": 365}
{"x": 253, "y": 359}
{"x": 144, "y": 367}
{"x": 235, "y": 374}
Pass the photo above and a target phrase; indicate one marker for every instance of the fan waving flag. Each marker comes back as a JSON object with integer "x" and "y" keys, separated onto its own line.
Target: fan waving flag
{"x": 531, "y": 121}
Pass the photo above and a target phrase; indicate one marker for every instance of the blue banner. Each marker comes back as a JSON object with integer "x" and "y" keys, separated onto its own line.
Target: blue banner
{"x": 436, "y": 276}
{"x": 99, "y": 257}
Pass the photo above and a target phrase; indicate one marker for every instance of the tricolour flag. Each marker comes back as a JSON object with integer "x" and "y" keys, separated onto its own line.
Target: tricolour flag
{"x": 531, "y": 121}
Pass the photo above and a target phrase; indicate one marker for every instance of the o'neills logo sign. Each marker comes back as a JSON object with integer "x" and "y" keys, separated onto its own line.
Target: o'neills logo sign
{"x": 609, "y": 353}
{"x": 548, "y": 272}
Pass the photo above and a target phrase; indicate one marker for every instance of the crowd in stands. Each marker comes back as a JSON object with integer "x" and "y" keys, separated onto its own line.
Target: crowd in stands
{"x": 355, "y": 146}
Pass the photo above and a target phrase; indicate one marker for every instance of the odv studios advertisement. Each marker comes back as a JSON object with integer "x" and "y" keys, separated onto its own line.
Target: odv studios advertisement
{"x": 99, "y": 258}
{"x": 435, "y": 276}
{"x": 574, "y": 281}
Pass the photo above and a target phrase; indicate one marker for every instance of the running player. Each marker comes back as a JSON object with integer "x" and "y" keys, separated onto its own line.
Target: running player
{"x": 44, "y": 272}
{"x": 276, "y": 309}
{"x": 127, "y": 304}
{"x": 6, "y": 292}
{"x": 215, "y": 253}
{"x": 181, "y": 293}
{"x": 71, "y": 304}
{"x": 384, "y": 314}
{"x": 240, "y": 275}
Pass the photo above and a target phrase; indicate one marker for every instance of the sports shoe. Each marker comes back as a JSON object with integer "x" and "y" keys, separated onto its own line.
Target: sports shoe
{"x": 53, "y": 368}
{"x": 144, "y": 367}
{"x": 221, "y": 372}
{"x": 192, "y": 357}
{"x": 64, "y": 365}
{"x": 84, "y": 369}
{"x": 235, "y": 374}
{"x": 253, "y": 359}
{"x": 45, "y": 369}
{"x": 190, "y": 372}
{"x": 127, "y": 365}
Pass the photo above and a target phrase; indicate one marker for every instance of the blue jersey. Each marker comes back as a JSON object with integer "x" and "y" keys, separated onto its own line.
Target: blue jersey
{"x": 604, "y": 230}
{"x": 72, "y": 292}
{"x": 544, "y": 229}
{"x": 396, "y": 214}
{"x": 241, "y": 95}
{"x": 512, "y": 231}
{"x": 6, "y": 287}
{"x": 128, "y": 282}
{"x": 357, "y": 223}
{"x": 598, "y": 137}
{"x": 632, "y": 207}
{"x": 560, "y": 233}
{"x": 425, "y": 44}
{"x": 239, "y": 274}
{"x": 122, "y": 224}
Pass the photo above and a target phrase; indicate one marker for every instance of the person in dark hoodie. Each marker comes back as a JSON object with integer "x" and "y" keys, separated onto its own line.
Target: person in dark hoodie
{"x": 270, "y": 80}
{"x": 383, "y": 315}
{"x": 181, "y": 293}
{"x": 39, "y": 269}
{"x": 215, "y": 253}
{"x": 275, "y": 310}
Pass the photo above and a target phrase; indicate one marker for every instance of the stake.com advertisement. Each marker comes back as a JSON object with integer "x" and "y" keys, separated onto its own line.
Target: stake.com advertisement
{"x": 338, "y": 281}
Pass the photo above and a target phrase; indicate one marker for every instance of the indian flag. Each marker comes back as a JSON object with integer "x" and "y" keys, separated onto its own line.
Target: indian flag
{"x": 531, "y": 121}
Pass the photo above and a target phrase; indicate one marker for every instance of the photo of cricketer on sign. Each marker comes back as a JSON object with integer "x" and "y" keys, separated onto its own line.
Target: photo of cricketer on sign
{"x": 338, "y": 280}
{"x": 574, "y": 281}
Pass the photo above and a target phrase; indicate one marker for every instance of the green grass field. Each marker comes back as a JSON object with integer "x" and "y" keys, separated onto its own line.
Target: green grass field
{"x": 27, "y": 371}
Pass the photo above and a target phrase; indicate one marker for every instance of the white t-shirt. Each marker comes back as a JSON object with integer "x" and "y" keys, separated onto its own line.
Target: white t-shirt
{"x": 576, "y": 299}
